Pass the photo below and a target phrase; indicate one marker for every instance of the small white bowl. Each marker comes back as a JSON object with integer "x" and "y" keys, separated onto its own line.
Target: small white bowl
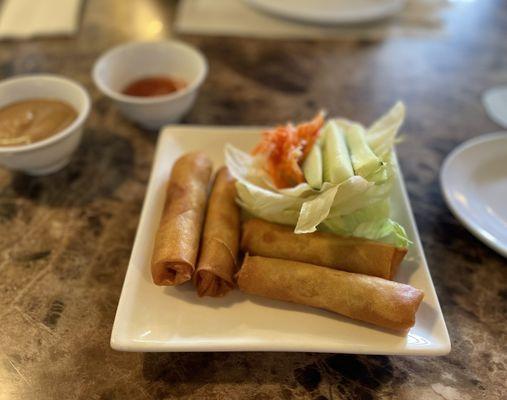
{"x": 124, "y": 64}
{"x": 51, "y": 154}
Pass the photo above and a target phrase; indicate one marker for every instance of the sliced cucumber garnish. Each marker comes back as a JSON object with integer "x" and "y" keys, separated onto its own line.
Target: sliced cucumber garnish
{"x": 337, "y": 163}
{"x": 312, "y": 167}
{"x": 364, "y": 160}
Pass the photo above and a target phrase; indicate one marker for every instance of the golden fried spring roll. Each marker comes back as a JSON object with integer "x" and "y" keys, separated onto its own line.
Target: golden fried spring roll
{"x": 220, "y": 242}
{"x": 345, "y": 253}
{"x": 365, "y": 298}
{"x": 179, "y": 232}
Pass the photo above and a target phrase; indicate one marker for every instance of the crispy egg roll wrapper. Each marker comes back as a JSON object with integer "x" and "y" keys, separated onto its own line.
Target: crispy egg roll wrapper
{"x": 365, "y": 298}
{"x": 179, "y": 232}
{"x": 350, "y": 254}
{"x": 220, "y": 242}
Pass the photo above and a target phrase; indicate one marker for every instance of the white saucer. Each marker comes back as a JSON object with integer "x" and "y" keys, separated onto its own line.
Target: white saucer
{"x": 474, "y": 183}
{"x": 330, "y": 11}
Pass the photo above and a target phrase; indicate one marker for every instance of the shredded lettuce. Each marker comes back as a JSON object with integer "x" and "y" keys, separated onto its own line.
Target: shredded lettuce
{"x": 381, "y": 135}
{"x": 315, "y": 210}
{"x": 357, "y": 206}
{"x": 371, "y": 222}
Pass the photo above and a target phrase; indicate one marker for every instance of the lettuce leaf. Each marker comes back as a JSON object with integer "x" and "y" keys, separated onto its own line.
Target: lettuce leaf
{"x": 371, "y": 222}
{"x": 381, "y": 134}
{"x": 317, "y": 209}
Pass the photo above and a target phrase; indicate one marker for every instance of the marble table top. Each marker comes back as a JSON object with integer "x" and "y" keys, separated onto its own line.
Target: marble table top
{"x": 65, "y": 239}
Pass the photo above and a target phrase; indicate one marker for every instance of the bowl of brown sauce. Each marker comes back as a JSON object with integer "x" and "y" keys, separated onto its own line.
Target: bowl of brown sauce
{"x": 41, "y": 122}
{"x": 152, "y": 83}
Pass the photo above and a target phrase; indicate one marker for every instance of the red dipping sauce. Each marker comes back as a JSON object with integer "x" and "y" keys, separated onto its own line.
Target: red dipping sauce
{"x": 153, "y": 86}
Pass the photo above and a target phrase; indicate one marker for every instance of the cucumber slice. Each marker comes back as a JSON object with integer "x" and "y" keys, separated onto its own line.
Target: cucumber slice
{"x": 312, "y": 167}
{"x": 364, "y": 160}
{"x": 337, "y": 164}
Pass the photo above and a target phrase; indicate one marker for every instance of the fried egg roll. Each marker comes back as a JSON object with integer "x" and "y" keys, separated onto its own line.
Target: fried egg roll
{"x": 365, "y": 298}
{"x": 350, "y": 254}
{"x": 220, "y": 242}
{"x": 179, "y": 232}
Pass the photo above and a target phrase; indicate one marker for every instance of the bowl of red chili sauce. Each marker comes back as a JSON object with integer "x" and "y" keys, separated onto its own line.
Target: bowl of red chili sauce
{"x": 152, "y": 83}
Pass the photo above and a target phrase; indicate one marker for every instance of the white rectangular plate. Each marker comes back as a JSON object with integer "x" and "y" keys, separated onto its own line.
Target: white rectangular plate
{"x": 153, "y": 318}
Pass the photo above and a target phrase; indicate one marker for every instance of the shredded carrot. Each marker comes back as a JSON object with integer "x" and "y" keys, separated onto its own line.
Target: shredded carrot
{"x": 286, "y": 147}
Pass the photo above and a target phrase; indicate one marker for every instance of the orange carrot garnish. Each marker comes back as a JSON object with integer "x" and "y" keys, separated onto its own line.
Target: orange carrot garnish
{"x": 286, "y": 148}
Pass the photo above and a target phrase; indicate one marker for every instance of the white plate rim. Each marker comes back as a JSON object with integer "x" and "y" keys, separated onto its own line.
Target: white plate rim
{"x": 365, "y": 16}
{"x": 119, "y": 343}
{"x": 445, "y": 185}
{"x": 485, "y": 97}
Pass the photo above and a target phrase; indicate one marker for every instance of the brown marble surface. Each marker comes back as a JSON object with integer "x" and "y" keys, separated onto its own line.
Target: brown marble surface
{"x": 65, "y": 239}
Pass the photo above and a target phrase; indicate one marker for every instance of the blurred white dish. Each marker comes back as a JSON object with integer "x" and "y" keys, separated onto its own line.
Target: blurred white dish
{"x": 474, "y": 183}
{"x": 51, "y": 154}
{"x": 495, "y": 103}
{"x": 156, "y": 318}
{"x": 330, "y": 11}
{"x": 124, "y": 64}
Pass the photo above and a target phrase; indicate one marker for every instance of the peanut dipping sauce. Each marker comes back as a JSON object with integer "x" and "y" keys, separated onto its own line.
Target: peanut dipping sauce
{"x": 153, "y": 86}
{"x": 33, "y": 120}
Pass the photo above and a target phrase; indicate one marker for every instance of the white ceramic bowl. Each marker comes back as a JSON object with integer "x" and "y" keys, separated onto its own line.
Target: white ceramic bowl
{"x": 124, "y": 64}
{"x": 51, "y": 154}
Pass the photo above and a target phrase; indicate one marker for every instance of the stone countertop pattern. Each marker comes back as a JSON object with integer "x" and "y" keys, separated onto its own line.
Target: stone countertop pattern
{"x": 65, "y": 239}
